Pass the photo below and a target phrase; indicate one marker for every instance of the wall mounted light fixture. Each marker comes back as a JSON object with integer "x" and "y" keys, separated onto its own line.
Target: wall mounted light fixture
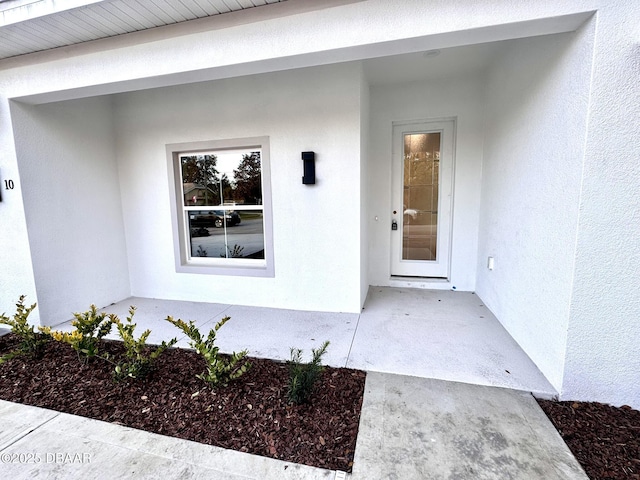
{"x": 309, "y": 164}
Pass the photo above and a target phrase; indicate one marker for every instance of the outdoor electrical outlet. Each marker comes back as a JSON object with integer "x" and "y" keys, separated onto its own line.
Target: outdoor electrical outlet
{"x": 490, "y": 263}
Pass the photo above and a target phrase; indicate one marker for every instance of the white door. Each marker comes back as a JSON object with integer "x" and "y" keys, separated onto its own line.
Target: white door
{"x": 422, "y": 198}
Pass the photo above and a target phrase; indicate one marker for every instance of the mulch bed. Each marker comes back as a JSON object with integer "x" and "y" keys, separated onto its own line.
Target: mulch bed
{"x": 604, "y": 439}
{"x": 252, "y": 414}
{"x": 249, "y": 415}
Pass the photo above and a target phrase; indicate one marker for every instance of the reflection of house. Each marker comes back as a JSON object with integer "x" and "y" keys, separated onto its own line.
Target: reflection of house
{"x": 535, "y": 92}
{"x": 195, "y": 194}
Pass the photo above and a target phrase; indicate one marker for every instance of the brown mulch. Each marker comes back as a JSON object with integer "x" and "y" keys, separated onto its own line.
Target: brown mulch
{"x": 604, "y": 439}
{"x": 249, "y": 415}
{"x": 252, "y": 414}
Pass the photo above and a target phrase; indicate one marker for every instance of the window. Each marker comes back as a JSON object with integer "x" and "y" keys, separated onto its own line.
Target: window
{"x": 222, "y": 214}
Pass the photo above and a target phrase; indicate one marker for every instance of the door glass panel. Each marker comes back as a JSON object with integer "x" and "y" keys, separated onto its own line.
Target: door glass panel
{"x": 420, "y": 195}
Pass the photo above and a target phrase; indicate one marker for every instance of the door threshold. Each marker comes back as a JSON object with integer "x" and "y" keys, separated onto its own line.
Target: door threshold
{"x": 430, "y": 283}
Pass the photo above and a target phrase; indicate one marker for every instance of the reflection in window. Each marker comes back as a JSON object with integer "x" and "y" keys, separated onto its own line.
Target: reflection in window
{"x": 420, "y": 196}
{"x": 222, "y": 205}
{"x": 227, "y": 234}
{"x": 232, "y": 177}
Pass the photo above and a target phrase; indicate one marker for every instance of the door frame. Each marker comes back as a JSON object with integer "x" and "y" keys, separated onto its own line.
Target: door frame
{"x": 440, "y": 268}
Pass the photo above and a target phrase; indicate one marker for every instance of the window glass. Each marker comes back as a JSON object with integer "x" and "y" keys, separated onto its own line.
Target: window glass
{"x": 210, "y": 239}
{"x": 218, "y": 178}
{"x": 420, "y": 196}
{"x": 222, "y": 205}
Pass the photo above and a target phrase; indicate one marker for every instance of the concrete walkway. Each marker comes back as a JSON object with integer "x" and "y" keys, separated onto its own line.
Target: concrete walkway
{"x": 446, "y": 397}
{"x": 419, "y": 428}
{"x": 410, "y": 428}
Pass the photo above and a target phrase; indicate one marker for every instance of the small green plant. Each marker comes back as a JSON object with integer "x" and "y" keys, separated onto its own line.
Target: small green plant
{"x": 31, "y": 342}
{"x": 139, "y": 358}
{"x": 201, "y": 252}
{"x": 90, "y": 328}
{"x": 220, "y": 369}
{"x": 303, "y": 376}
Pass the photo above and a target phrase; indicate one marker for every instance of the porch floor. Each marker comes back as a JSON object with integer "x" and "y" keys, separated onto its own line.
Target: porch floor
{"x": 436, "y": 334}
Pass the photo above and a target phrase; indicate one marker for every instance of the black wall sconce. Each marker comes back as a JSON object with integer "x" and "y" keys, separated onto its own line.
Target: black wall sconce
{"x": 309, "y": 164}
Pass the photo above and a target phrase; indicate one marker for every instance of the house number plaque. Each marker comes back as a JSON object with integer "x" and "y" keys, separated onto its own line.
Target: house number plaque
{"x": 8, "y": 185}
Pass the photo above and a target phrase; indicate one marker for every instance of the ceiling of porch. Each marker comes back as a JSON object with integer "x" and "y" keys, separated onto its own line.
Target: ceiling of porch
{"x": 431, "y": 64}
{"x": 28, "y": 26}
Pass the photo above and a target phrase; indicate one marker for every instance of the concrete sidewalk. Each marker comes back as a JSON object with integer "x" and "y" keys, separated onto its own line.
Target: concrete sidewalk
{"x": 410, "y": 428}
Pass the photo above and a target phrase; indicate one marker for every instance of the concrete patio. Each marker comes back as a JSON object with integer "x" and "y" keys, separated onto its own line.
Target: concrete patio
{"x": 439, "y": 334}
{"x": 435, "y": 406}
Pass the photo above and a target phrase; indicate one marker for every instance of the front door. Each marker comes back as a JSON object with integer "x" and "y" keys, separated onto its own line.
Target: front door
{"x": 422, "y": 198}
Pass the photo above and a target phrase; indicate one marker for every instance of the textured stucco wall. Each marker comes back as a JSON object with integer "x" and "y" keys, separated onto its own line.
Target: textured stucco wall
{"x": 69, "y": 179}
{"x": 16, "y": 274}
{"x": 365, "y": 108}
{"x": 603, "y": 358}
{"x": 316, "y": 228}
{"x": 290, "y": 35}
{"x": 537, "y": 98}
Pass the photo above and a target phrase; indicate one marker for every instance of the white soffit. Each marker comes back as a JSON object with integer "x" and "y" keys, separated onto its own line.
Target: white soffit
{"x": 28, "y": 26}
{"x": 418, "y": 66}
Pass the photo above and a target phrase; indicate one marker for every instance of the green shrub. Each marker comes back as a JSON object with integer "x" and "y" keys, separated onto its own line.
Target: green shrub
{"x": 220, "y": 369}
{"x": 31, "y": 342}
{"x": 139, "y": 357}
{"x": 90, "y": 328}
{"x": 303, "y": 376}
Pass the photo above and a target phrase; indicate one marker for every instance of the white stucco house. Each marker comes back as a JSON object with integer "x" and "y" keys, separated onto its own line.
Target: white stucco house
{"x": 479, "y": 145}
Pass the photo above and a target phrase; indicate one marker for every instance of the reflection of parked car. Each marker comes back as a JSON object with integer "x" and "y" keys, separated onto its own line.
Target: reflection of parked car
{"x": 214, "y": 218}
{"x": 236, "y": 216}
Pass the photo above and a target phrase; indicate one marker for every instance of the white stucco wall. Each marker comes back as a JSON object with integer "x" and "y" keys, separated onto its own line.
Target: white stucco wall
{"x": 16, "y": 274}
{"x": 316, "y": 227}
{"x": 598, "y": 313}
{"x": 70, "y": 188}
{"x": 283, "y": 36}
{"x": 603, "y": 360}
{"x": 365, "y": 109}
{"x": 537, "y": 99}
{"x": 459, "y": 97}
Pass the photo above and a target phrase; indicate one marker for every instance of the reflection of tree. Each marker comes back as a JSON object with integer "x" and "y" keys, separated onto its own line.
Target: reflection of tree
{"x": 217, "y": 188}
{"x": 247, "y": 177}
{"x": 227, "y": 189}
{"x": 201, "y": 170}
